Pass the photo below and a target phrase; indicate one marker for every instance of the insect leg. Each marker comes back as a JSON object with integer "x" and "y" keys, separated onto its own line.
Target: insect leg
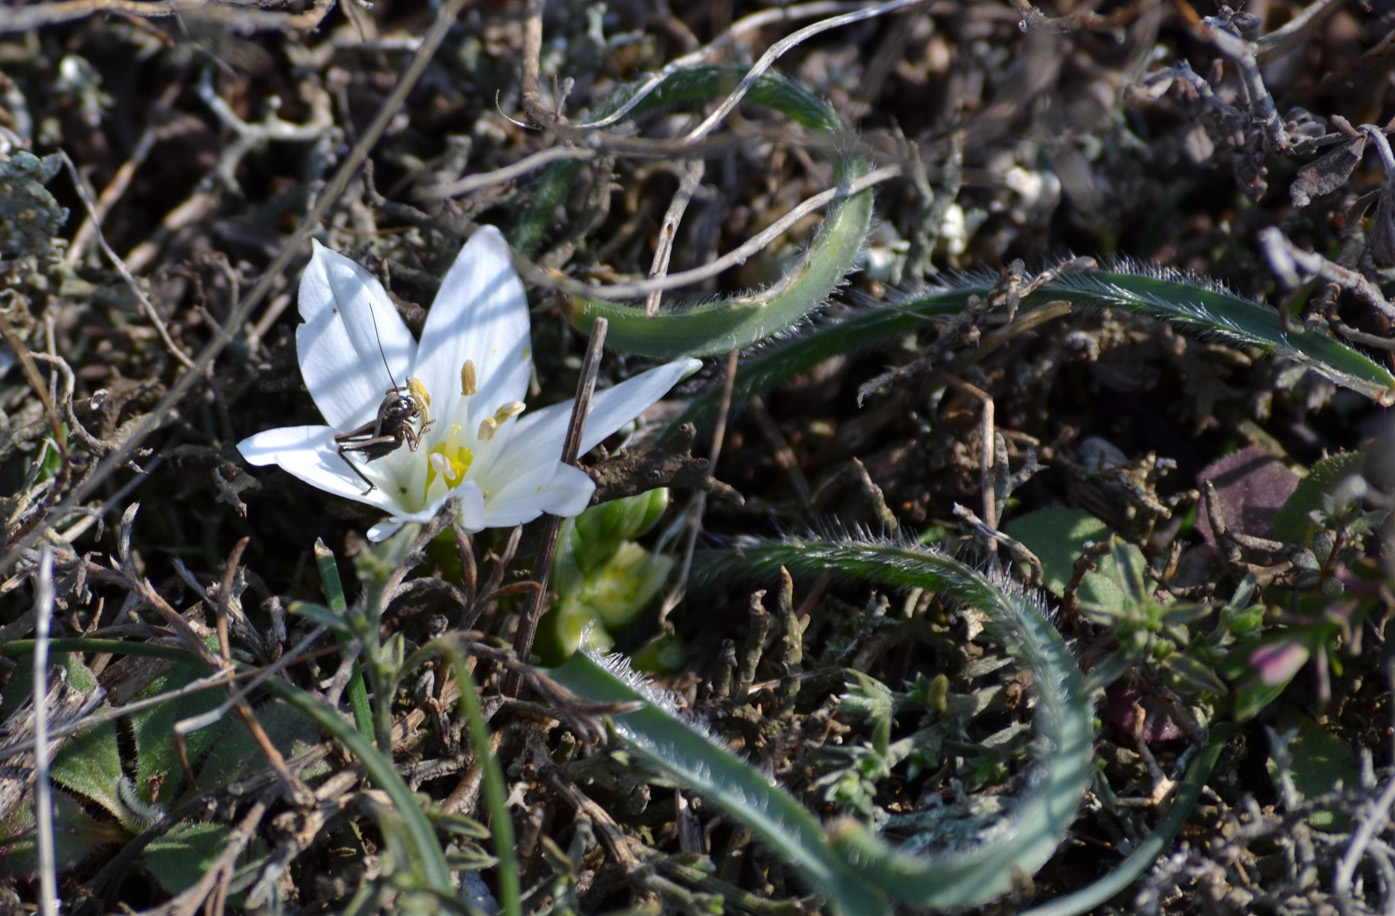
{"x": 344, "y": 453}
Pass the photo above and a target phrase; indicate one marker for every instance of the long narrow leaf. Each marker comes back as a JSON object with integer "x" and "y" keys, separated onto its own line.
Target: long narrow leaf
{"x": 334, "y": 593}
{"x": 381, "y": 771}
{"x": 675, "y": 748}
{"x": 727, "y": 324}
{"x": 1063, "y": 717}
{"x": 1195, "y": 305}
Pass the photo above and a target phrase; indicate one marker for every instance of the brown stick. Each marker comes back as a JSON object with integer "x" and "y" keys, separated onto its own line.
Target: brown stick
{"x": 542, "y": 566}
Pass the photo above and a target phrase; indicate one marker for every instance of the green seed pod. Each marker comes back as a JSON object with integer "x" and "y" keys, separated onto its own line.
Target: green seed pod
{"x": 937, "y": 696}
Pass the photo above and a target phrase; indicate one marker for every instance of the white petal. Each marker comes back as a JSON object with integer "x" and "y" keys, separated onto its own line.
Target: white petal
{"x": 480, "y": 314}
{"x": 540, "y": 433}
{"x": 308, "y": 452}
{"x": 384, "y": 530}
{"x": 614, "y": 407}
{"x": 469, "y": 507}
{"x": 569, "y": 493}
{"x": 350, "y": 329}
{"x": 560, "y": 489}
{"x": 469, "y": 513}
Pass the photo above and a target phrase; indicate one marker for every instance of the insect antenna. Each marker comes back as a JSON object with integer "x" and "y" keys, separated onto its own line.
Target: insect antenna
{"x": 373, "y": 314}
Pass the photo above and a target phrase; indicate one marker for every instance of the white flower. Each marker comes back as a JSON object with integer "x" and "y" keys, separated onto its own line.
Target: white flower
{"x": 470, "y": 372}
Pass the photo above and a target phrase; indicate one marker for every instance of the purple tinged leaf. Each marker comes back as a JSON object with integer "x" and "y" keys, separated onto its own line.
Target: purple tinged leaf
{"x": 1251, "y": 485}
{"x": 1277, "y": 662}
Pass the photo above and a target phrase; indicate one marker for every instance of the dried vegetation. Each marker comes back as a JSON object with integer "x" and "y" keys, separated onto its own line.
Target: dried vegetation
{"x": 162, "y": 167}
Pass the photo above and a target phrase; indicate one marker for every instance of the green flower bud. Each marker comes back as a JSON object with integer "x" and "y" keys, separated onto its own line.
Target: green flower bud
{"x": 601, "y": 530}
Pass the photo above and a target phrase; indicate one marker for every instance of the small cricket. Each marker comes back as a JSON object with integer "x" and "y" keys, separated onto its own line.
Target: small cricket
{"x": 385, "y": 434}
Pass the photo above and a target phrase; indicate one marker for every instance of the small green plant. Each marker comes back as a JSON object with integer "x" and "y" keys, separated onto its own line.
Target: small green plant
{"x": 1318, "y": 614}
{"x": 1304, "y": 603}
{"x": 90, "y": 768}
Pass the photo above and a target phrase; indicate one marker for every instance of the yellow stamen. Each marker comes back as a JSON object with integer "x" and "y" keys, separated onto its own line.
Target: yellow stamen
{"x": 418, "y": 390}
{"x": 491, "y": 425}
{"x": 508, "y": 412}
{"x": 468, "y": 387}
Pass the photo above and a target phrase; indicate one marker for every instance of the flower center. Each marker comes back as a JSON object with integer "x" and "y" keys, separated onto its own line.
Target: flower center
{"x": 449, "y": 459}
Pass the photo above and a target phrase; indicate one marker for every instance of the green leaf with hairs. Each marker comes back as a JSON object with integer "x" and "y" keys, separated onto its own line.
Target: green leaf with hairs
{"x": 179, "y": 857}
{"x": 89, "y": 764}
{"x": 1064, "y": 718}
{"x": 854, "y": 869}
{"x": 1196, "y": 305}
{"x": 692, "y": 759}
{"x": 727, "y": 324}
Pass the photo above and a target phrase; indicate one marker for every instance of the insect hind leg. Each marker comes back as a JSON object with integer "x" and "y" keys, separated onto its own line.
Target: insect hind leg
{"x": 344, "y": 454}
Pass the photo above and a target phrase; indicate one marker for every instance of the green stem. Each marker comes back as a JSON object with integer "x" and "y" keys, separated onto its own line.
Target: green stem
{"x": 495, "y": 791}
{"x": 334, "y": 594}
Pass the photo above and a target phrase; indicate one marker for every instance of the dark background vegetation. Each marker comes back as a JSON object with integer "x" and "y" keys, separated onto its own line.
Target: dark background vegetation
{"x": 1022, "y": 133}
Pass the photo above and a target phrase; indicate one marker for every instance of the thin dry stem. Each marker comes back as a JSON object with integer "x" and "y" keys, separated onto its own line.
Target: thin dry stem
{"x": 734, "y": 258}
{"x": 542, "y": 566}
{"x": 237, "y": 18}
{"x": 43, "y": 789}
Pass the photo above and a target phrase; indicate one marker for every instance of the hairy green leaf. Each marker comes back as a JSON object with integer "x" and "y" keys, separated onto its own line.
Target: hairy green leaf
{"x": 1064, "y": 718}
{"x": 727, "y": 324}
{"x": 677, "y": 749}
{"x": 1196, "y": 305}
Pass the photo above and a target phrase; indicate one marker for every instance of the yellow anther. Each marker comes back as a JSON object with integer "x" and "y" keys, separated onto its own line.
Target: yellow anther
{"x": 418, "y": 390}
{"x": 488, "y": 427}
{"x": 508, "y": 412}
{"x": 468, "y": 385}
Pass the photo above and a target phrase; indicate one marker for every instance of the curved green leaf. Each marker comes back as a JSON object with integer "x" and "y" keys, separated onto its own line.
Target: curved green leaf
{"x": 1147, "y": 852}
{"x": 1063, "y": 717}
{"x": 723, "y": 325}
{"x": 677, "y": 749}
{"x": 1196, "y": 305}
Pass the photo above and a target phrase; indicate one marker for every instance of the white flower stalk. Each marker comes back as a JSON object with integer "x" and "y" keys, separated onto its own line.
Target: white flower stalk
{"x": 467, "y": 377}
